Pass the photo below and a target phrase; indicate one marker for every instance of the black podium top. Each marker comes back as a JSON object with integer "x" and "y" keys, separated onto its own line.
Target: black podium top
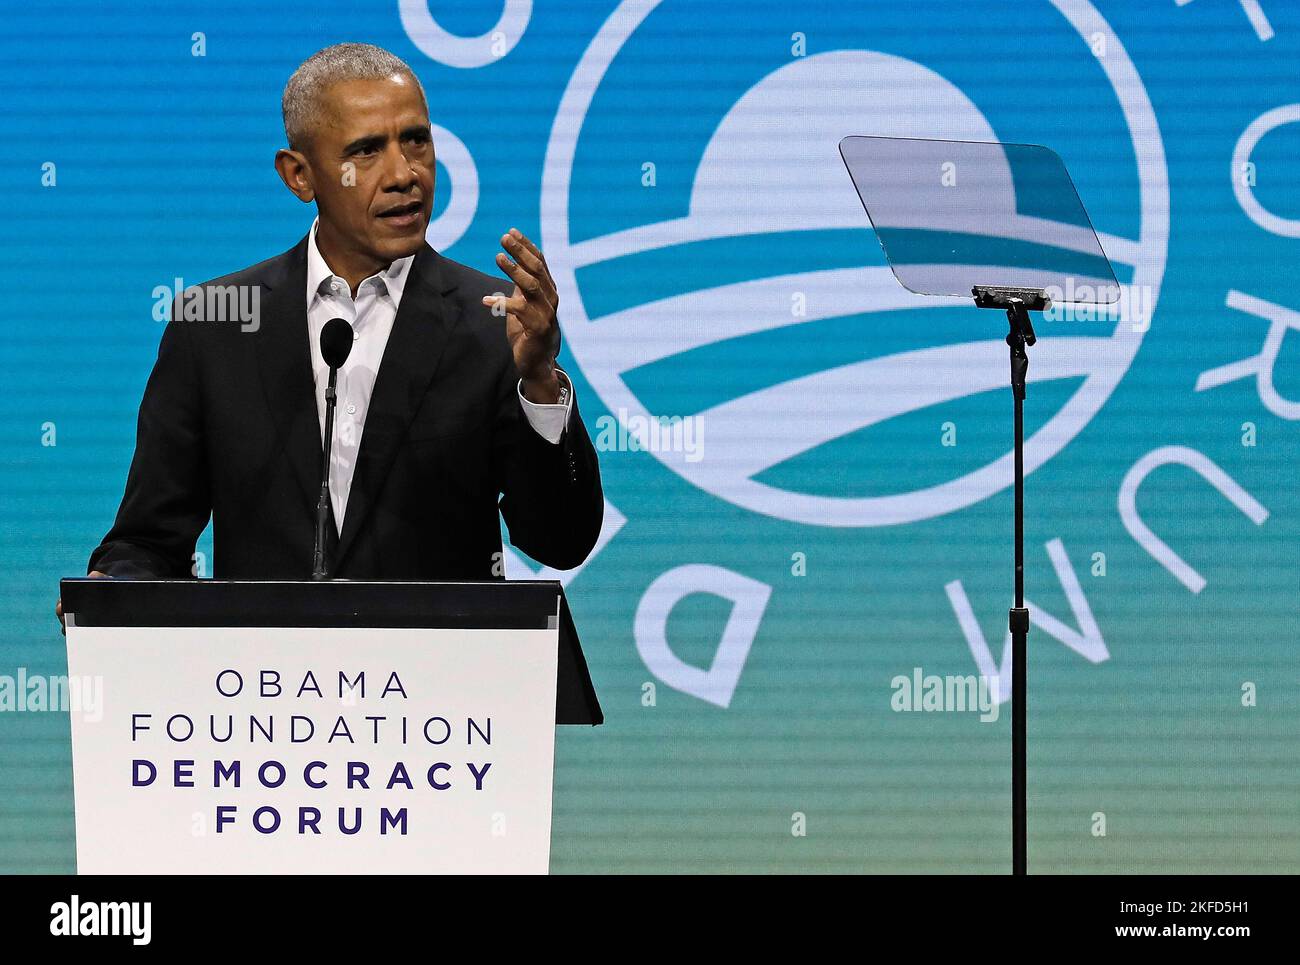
{"x": 513, "y": 605}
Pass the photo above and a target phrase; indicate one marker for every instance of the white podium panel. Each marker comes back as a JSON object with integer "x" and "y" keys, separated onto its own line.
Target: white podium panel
{"x": 315, "y": 750}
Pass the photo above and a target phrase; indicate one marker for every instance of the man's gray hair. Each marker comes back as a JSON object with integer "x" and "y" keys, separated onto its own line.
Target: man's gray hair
{"x": 302, "y": 99}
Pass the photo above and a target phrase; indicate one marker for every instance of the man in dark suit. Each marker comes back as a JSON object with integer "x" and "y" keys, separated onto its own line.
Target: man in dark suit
{"x": 449, "y": 399}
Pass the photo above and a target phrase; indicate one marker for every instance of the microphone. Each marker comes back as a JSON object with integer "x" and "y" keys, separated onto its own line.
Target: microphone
{"x": 335, "y": 346}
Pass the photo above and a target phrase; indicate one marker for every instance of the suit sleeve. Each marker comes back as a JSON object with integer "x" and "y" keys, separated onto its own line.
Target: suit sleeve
{"x": 552, "y": 500}
{"x": 167, "y": 500}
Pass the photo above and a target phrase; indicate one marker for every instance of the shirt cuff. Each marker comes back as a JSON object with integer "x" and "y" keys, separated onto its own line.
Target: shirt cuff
{"x": 549, "y": 420}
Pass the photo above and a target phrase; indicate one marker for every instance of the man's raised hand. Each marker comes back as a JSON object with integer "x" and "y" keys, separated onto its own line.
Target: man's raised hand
{"x": 530, "y": 311}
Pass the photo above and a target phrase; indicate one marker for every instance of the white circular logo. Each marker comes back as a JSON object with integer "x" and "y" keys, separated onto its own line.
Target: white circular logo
{"x": 438, "y": 44}
{"x": 462, "y": 199}
{"x": 772, "y": 166}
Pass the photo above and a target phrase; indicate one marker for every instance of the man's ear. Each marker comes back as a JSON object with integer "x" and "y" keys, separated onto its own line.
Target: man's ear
{"x": 295, "y": 172}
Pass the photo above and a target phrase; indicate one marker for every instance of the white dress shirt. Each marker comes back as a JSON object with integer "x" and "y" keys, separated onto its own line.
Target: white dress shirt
{"x": 371, "y": 316}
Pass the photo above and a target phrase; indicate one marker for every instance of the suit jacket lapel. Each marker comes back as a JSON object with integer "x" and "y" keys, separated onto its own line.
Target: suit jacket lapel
{"x": 284, "y": 360}
{"x": 415, "y": 345}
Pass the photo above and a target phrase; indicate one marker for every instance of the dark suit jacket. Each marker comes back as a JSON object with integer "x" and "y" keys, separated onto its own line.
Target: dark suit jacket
{"x": 229, "y": 427}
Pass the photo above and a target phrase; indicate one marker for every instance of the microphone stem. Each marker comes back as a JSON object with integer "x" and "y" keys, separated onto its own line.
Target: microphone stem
{"x": 320, "y": 566}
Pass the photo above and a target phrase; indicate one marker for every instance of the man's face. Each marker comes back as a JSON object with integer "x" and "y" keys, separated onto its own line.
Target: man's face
{"x": 371, "y": 159}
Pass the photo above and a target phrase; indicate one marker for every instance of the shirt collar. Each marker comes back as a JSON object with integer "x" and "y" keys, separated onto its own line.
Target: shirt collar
{"x": 318, "y": 272}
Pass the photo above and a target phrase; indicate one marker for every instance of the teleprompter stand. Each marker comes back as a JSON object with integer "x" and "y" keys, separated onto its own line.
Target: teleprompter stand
{"x": 1002, "y": 222}
{"x": 1018, "y": 303}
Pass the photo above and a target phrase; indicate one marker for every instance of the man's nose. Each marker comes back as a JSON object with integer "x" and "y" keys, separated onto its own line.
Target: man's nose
{"x": 398, "y": 173}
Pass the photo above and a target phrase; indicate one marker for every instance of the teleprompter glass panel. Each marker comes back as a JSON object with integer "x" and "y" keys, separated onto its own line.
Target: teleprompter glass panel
{"x": 952, "y": 215}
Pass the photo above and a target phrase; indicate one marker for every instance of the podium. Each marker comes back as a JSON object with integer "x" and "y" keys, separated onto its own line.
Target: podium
{"x": 319, "y": 727}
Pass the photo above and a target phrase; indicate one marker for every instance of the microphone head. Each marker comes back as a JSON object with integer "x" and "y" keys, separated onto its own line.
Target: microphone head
{"x": 336, "y": 342}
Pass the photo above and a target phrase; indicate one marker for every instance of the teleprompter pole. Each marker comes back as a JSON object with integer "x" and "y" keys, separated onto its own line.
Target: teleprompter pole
{"x": 1017, "y": 303}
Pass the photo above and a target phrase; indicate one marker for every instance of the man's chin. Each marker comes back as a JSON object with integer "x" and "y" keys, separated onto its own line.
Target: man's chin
{"x": 399, "y": 243}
